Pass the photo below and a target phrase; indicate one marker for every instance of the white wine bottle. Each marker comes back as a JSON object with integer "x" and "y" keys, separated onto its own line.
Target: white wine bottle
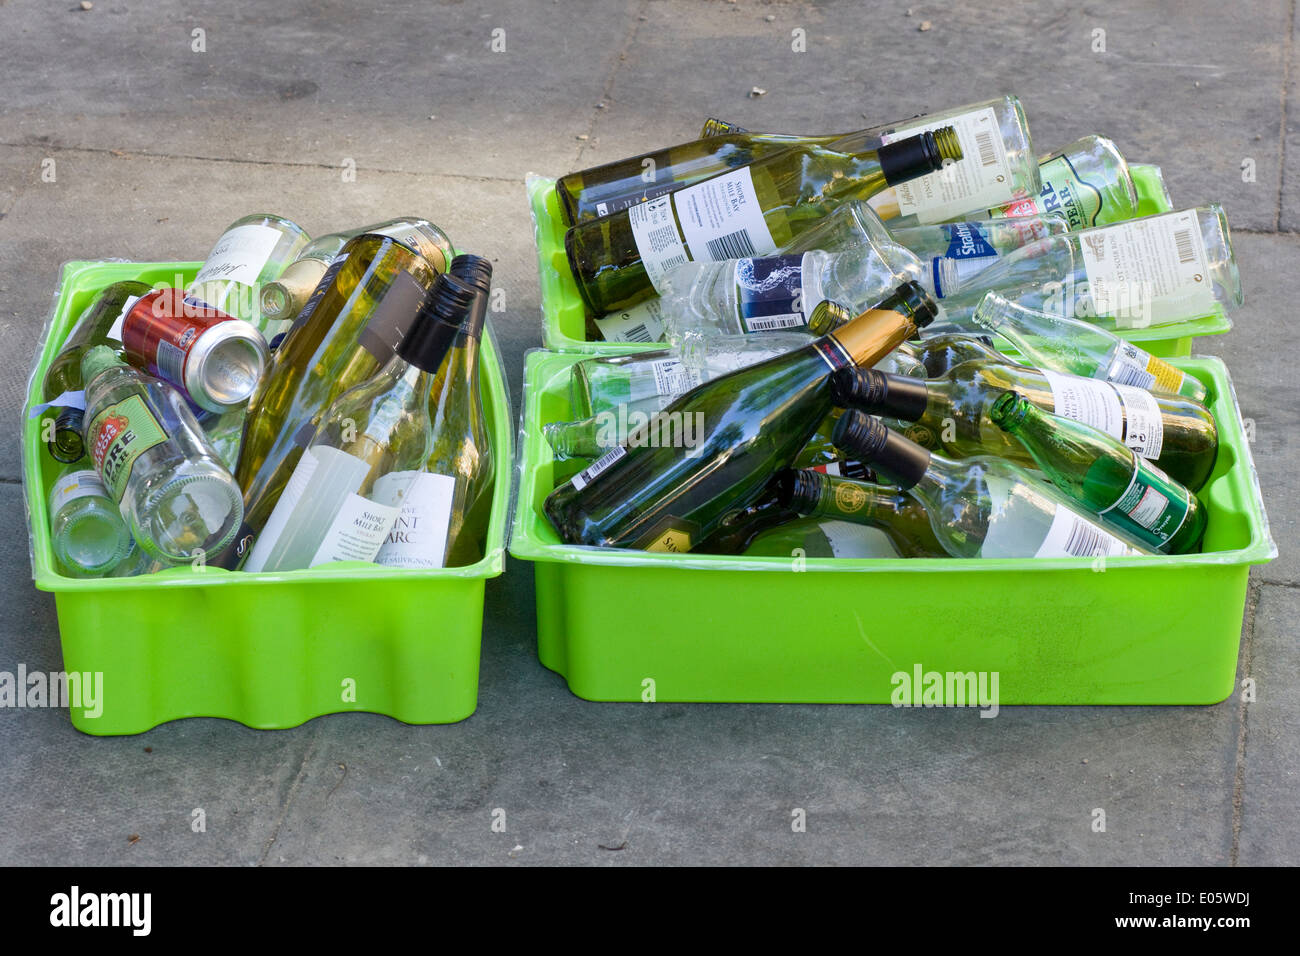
{"x": 253, "y": 250}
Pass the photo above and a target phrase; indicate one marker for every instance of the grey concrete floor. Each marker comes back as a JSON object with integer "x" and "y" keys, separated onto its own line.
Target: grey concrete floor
{"x": 157, "y": 147}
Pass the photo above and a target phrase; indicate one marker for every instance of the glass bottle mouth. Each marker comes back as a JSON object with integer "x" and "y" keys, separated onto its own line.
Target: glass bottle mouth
{"x": 828, "y": 316}
{"x": 92, "y": 542}
{"x": 68, "y": 445}
{"x": 1008, "y": 411}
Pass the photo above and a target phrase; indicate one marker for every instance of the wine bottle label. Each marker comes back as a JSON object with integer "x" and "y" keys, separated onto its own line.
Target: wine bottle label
{"x": 769, "y": 293}
{"x": 585, "y": 477}
{"x": 1134, "y": 366}
{"x": 643, "y": 322}
{"x": 1130, "y": 414}
{"x": 657, "y": 240}
{"x": 1131, "y": 263}
{"x": 720, "y": 219}
{"x": 1074, "y": 536}
{"x": 114, "y": 333}
{"x": 357, "y": 532}
{"x": 239, "y": 256}
{"x": 75, "y": 484}
{"x": 969, "y": 251}
{"x": 1153, "y": 506}
{"x": 284, "y": 507}
{"x": 672, "y": 535}
{"x": 418, "y": 537}
{"x": 119, "y": 435}
{"x": 982, "y": 178}
{"x": 672, "y": 377}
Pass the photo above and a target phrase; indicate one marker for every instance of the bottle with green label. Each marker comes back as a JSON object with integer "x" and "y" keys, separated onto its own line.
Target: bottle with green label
{"x": 365, "y": 462}
{"x": 1088, "y": 182}
{"x": 154, "y": 461}
{"x": 902, "y": 517}
{"x": 282, "y": 299}
{"x": 100, "y": 323}
{"x": 1158, "y": 270}
{"x": 1103, "y": 475}
{"x": 1081, "y": 348}
{"x": 621, "y": 259}
{"x": 252, "y": 251}
{"x": 668, "y": 485}
{"x": 982, "y": 507}
{"x": 952, "y": 413}
{"x": 87, "y": 533}
{"x": 347, "y": 332}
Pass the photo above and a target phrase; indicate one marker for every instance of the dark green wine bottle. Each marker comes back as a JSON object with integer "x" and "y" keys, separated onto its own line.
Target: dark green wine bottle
{"x": 1105, "y": 476}
{"x": 620, "y": 259}
{"x": 710, "y": 452}
{"x": 901, "y": 517}
{"x": 952, "y": 413}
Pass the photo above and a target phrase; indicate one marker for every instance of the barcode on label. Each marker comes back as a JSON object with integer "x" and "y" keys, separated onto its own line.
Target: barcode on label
{"x": 1087, "y": 541}
{"x": 734, "y": 245}
{"x": 1183, "y": 241}
{"x": 585, "y": 477}
{"x": 984, "y": 143}
{"x": 1124, "y": 374}
{"x": 637, "y": 333}
{"x": 767, "y": 323}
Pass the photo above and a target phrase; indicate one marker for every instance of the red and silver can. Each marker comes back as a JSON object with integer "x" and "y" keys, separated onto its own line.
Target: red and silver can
{"x": 214, "y": 358}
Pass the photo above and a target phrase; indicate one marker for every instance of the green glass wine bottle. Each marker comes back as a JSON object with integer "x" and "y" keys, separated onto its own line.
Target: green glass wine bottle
{"x": 902, "y": 517}
{"x": 710, "y": 452}
{"x": 953, "y": 413}
{"x": 100, "y": 323}
{"x": 982, "y": 507}
{"x": 1103, "y": 475}
{"x": 620, "y": 259}
{"x": 348, "y": 330}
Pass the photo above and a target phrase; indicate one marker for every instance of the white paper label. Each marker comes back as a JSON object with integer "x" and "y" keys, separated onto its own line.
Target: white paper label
{"x": 1073, "y": 536}
{"x": 1129, "y": 367}
{"x": 592, "y": 471}
{"x": 721, "y": 218}
{"x": 672, "y": 378}
{"x": 239, "y": 255}
{"x": 357, "y": 532}
{"x": 643, "y": 322}
{"x": 981, "y": 178}
{"x": 73, "y": 485}
{"x": 1130, "y": 414}
{"x": 418, "y": 537}
{"x": 114, "y": 333}
{"x": 284, "y": 506}
{"x": 657, "y": 239}
{"x": 1130, "y": 264}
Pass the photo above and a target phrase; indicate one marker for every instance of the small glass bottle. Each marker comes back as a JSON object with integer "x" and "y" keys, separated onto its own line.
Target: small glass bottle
{"x": 87, "y": 533}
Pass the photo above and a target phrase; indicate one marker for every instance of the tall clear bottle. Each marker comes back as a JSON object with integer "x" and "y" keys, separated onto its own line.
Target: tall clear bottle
{"x": 178, "y": 501}
{"x": 100, "y": 323}
{"x": 622, "y": 259}
{"x": 1158, "y": 270}
{"x": 253, "y": 250}
{"x": 282, "y": 299}
{"x": 363, "y": 464}
{"x": 348, "y": 331}
{"x": 981, "y": 507}
{"x": 1081, "y": 348}
{"x": 668, "y": 486}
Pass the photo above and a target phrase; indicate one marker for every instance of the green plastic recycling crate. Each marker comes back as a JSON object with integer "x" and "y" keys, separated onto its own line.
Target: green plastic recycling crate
{"x": 268, "y": 650}
{"x": 564, "y": 318}
{"x": 630, "y": 625}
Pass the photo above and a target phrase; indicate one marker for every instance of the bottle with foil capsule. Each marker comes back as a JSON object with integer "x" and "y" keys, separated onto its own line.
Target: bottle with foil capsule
{"x": 667, "y": 488}
{"x": 981, "y": 507}
{"x": 282, "y": 299}
{"x": 1105, "y": 477}
{"x": 252, "y": 251}
{"x": 953, "y": 413}
{"x": 1081, "y": 348}
{"x": 100, "y": 323}
{"x": 621, "y": 259}
{"x": 366, "y": 458}
{"x": 180, "y": 504}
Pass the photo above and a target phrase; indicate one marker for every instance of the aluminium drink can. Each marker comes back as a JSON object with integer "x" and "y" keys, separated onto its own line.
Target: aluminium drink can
{"x": 215, "y": 359}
